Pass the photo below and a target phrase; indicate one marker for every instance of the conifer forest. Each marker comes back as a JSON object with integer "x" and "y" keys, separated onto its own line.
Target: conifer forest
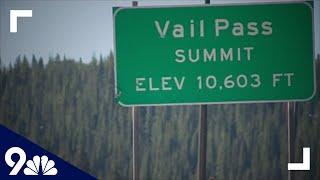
{"x": 68, "y": 107}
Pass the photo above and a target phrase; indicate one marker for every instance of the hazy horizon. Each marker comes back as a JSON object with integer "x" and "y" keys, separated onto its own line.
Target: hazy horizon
{"x": 80, "y": 29}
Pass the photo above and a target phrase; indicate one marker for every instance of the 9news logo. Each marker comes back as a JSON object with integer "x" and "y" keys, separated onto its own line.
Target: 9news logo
{"x": 37, "y": 166}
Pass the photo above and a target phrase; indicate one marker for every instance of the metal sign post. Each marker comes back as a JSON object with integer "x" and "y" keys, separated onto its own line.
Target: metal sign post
{"x": 135, "y": 135}
{"x": 135, "y": 142}
{"x": 202, "y": 147}
{"x": 291, "y": 119}
{"x": 289, "y": 134}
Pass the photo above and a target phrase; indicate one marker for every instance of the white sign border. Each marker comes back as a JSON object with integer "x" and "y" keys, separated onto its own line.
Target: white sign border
{"x": 214, "y": 5}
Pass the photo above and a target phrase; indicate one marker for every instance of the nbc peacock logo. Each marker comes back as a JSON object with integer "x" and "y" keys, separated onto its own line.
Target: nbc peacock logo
{"x": 47, "y": 166}
{"x": 36, "y": 166}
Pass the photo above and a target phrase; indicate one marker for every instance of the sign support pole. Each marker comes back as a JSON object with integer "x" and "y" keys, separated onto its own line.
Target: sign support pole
{"x": 135, "y": 136}
{"x": 135, "y": 143}
{"x": 289, "y": 140}
{"x": 292, "y": 123}
{"x": 202, "y": 147}
{"x": 291, "y": 118}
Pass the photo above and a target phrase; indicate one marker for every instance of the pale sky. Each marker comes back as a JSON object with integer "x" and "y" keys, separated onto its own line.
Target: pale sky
{"x": 77, "y": 28}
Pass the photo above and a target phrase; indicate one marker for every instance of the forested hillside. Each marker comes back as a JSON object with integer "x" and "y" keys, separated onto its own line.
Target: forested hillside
{"x": 68, "y": 107}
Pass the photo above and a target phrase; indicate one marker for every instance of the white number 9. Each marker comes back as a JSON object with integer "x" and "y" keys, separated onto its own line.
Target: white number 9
{"x": 16, "y": 165}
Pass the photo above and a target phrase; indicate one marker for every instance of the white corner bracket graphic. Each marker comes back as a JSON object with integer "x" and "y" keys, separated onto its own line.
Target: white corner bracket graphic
{"x": 14, "y": 14}
{"x": 305, "y": 165}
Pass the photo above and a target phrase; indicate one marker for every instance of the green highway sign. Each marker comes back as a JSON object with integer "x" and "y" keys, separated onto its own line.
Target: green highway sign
{"x": 214, "y": 54}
